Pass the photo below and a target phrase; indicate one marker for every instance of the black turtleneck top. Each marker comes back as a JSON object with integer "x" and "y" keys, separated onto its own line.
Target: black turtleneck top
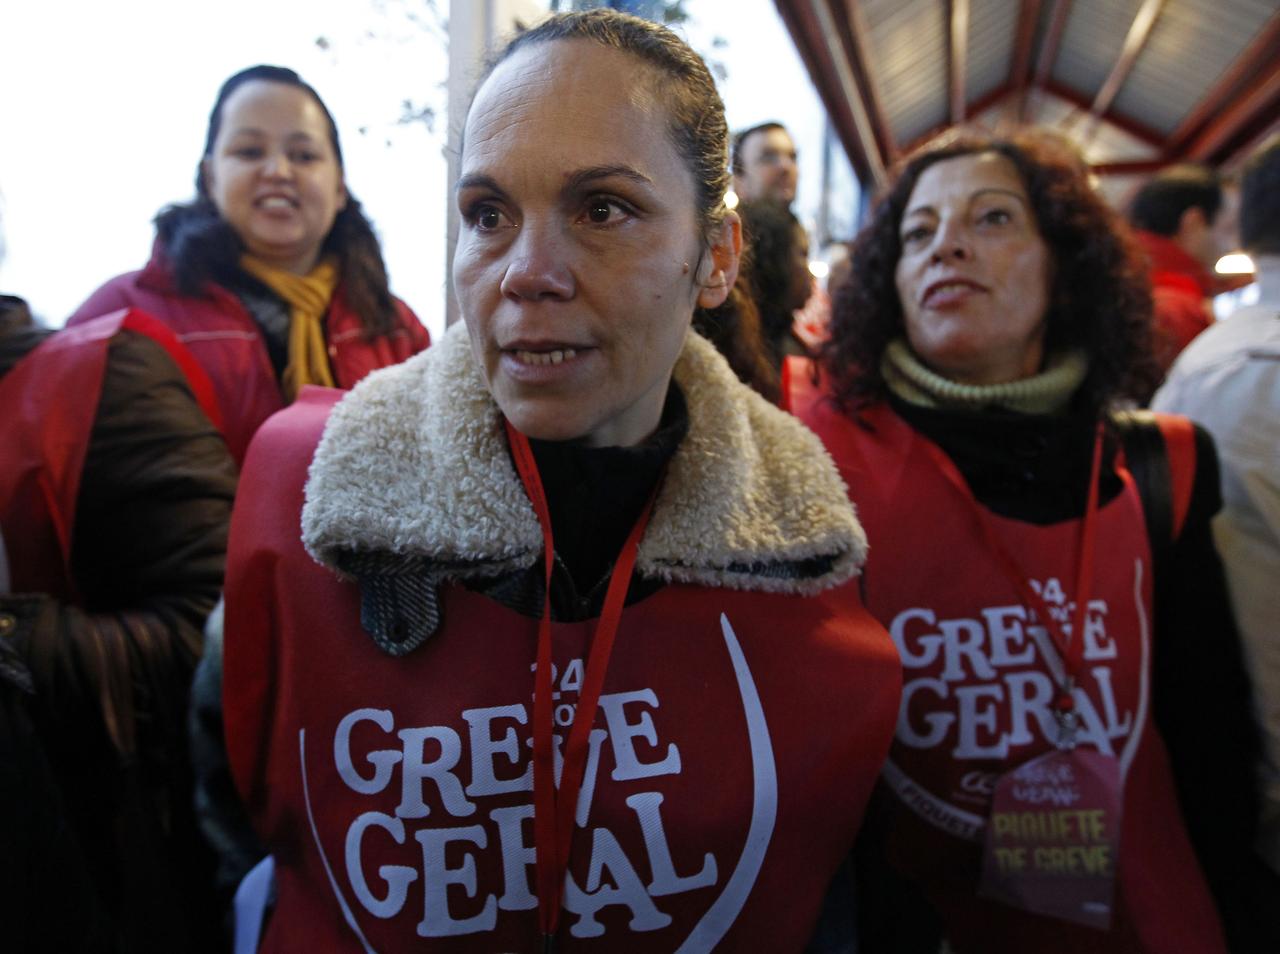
{"x": 595, "y": 494}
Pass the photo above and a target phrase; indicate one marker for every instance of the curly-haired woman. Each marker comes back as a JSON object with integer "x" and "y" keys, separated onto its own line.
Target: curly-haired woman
{"x": 1070, "y": 770}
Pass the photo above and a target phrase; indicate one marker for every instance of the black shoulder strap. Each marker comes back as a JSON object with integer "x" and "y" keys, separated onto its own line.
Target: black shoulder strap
{"x": 1147, "y": 459}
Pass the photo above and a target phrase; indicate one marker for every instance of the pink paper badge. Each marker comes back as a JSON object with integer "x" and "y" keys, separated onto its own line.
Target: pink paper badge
{"x": 1053, "y": 837}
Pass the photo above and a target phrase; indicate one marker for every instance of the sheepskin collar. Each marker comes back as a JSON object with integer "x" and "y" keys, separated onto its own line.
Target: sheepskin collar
{"x": 414, "y": 463}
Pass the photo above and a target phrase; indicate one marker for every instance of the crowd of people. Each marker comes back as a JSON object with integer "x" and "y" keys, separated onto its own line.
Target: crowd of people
{"x": 666, "y": 602}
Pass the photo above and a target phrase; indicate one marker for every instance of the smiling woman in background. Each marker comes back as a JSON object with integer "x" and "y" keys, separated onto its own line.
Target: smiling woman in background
{"x": 1046, "y": 569}
{"x": 565, "y": 545}
{"x": 272, "y": 276}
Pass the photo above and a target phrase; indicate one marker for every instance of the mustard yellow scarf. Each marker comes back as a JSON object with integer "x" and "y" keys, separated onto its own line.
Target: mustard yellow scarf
{"x": 308, "y": 298}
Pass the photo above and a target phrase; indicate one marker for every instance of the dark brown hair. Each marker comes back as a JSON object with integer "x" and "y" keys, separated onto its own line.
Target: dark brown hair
{"x": 1159, "y": 204}
{"x": 201, "y": 246}
{"x": 1260, "y": 200}
{"x": 734, "y": 328}
{"x": 1099, "y": 300}
{"x": 771, "y": 233}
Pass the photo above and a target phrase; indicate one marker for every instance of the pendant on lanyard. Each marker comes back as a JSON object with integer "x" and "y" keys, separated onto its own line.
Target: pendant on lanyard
{"x": 1038, "y": 855}
{"x": 553, "y": 812}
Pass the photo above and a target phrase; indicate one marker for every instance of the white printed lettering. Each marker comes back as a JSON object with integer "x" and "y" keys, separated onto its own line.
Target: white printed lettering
{"x": 928, "y": 643}
{"x": 1116, "y": 727}
{"x": 1004, "y": 623}
{"x": 397, "y": 877}
{"x": 1097, "y": 644}
{"x": 437, "y": 876}
{"x": 627, "y": 890}
{"x": 382, "y": 761}
{"x": 963, "y": 638}
{"x": 414, "y": 771}
{"x": 972, "y": 718}
{"x": 647, "y": 807}
{"x": 590, "y": 772}
{"x": 938, "y": 722}
{"x": 1030, "y": 694}
{"x": 485, "y": 748}
{"x": 518, "y": 856}
{"x": 627, "y": 764}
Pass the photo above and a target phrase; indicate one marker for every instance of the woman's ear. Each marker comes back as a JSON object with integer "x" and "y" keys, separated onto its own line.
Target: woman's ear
{"x": 726, "y": 254}
{"x": 206, "y": 177}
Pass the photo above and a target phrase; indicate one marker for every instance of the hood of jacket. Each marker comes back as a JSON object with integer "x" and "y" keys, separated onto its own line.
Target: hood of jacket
{"x": 414, "y": 463}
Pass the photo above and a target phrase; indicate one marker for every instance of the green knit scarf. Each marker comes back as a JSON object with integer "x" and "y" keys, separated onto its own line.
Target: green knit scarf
{"x": 1048, "y": 392}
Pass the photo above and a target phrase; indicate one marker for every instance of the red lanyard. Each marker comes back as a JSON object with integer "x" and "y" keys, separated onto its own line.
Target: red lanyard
{"x": 553, "y": 821}
{"x": 1070, "y": 651}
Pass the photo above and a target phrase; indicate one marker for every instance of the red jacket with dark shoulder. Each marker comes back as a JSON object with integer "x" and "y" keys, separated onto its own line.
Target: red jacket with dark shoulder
{"x": 225, "y": 339}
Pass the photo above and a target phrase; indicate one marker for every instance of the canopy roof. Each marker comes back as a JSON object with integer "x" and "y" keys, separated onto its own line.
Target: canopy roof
{"x": 1138, "y": 84}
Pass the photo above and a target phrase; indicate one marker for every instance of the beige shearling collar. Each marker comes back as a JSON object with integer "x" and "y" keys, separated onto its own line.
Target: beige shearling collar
{"x": 414, "y": 462}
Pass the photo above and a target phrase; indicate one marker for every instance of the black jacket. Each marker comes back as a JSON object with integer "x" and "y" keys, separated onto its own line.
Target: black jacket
{"x": 110, "y": 674}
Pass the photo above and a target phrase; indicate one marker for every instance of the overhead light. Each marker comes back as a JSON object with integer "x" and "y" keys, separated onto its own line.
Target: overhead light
{"x": 819, "y": 270}
{"x": 1237, "y": 263}
{"x": 731, "y": 200}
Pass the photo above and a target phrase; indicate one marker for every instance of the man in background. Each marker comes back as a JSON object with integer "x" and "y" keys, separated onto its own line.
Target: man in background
{"x": 1186, "y": 220}
{"x": 1228, "y": 381}
{"x": 764, "y": 164}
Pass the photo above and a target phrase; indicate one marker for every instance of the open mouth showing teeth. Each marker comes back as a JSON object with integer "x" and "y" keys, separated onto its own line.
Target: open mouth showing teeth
{"x": 275, "y": 202}
{"x": 950, "y": 288}
{"x": 545, "y": 357}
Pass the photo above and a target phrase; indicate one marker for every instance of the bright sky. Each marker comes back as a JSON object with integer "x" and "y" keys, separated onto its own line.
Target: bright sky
{"x": 105, "y": 105}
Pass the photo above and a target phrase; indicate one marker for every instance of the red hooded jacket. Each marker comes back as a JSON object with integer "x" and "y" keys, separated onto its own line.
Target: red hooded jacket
{"x": 1180, "y": 287}
{"x": 223, "y": 336}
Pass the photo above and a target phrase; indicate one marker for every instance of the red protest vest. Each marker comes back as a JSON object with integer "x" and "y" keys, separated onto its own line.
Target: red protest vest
{"x": 48, "y": 402}
{"x": 737, "y": 739}
{"x": 977, "y": 690}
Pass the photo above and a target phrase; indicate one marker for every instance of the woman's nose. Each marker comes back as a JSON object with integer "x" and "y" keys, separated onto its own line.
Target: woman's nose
{"x": 950, "y": 242}
{"x": 537, "y": 267}
{"x": 278, "y": 166}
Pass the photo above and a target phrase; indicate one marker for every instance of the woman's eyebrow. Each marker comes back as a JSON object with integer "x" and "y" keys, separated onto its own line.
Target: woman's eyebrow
{"x": 930, "y": 210}
{"x": 996, "y": 189}
{"x": 479, "y": 181}
{"x": 576, "y": 181}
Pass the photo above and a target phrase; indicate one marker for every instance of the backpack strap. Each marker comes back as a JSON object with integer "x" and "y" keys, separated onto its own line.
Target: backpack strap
{"x": 1180, "y": 446}
{"x": 1160, "y": 452}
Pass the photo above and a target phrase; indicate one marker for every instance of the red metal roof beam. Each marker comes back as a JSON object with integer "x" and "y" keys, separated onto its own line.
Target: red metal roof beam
{"x": 1264, "y": 51}
{"x": 806, "y": 32}
{"x": 1020, "y": 62}
{"x": 1049, "y": 50}
{"x": 1257, "y": 105}
{"x": 957, "y": 50}
{"x": 849, "y": 88}
{"x": 866, "y": 78}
